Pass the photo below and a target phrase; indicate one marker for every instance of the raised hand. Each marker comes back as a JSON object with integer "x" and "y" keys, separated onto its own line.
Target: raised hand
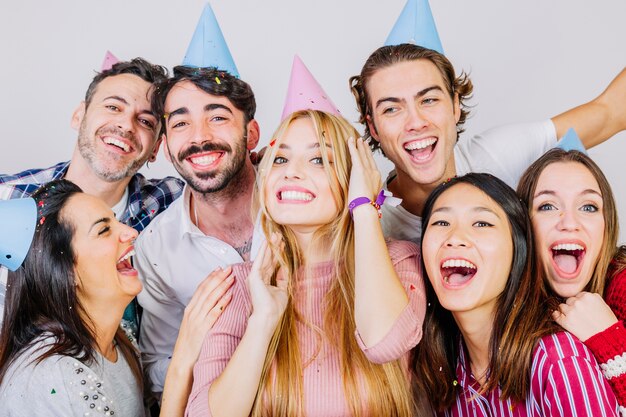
{"x": 268, "y": 301}
{"x": 584, "y": 315}
{"x": 365, "y": 180}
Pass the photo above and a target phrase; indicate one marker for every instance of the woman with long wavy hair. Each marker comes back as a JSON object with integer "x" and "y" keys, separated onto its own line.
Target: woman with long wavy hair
{"x": 490, "y": 347}
{"x": 575, "y": 225}
{"x": 321, "y": 323}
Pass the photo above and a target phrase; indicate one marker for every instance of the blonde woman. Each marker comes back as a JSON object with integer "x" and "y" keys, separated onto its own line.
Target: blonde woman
{"x": 321, "y": 323}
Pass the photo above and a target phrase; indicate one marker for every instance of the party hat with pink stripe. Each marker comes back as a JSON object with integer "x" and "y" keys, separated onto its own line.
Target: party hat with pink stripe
{"x": 109, "y": 61}
{"x": 305, "y": 93}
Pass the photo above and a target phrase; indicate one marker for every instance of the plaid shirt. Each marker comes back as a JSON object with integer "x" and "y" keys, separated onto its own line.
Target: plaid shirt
{"x": 146, "y": 199}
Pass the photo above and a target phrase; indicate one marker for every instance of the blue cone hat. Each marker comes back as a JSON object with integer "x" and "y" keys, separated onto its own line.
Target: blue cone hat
{"x": 18, "y": 219}
{"x": 208, "y": 47}
{"x": 416, "y": 25}
{"x": 571, "y": 142}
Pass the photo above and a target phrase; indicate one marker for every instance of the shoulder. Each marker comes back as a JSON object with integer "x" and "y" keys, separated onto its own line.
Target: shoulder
{"x": 554, "y": 348}
{"x": 400, "y": 250}
{"x": 164, "y": 226}
{"x": 170, "y": 186}
{"x": 26, "y": 182}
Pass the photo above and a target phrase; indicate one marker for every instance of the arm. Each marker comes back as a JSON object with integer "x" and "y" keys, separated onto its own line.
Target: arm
{"x": 380, "y": 297}
{"x": 599, "y": 119}
{"x": 206, "y": 305}
{"x": 227, "y": 375}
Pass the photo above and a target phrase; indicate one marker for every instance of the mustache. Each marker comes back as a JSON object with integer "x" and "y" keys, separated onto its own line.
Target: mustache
{"x": 205, "y": 147}
{"x": 112, "y": 130}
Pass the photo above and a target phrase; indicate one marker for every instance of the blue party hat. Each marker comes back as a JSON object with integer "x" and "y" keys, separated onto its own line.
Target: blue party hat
{"x": 208, "y": 47}
{"x": 416, "y": 25}
{"x": 571, "y": 142}
{"x": 18, "y": 219}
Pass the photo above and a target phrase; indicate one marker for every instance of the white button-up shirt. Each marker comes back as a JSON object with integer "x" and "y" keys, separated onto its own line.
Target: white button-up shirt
{"x": 173, "y": 256}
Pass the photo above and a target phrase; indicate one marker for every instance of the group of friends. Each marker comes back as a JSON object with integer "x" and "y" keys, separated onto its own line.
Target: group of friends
{"x": 296, "y": 281}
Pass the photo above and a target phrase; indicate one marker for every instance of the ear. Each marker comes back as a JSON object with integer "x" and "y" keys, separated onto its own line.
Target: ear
{"x": 166, "y": 149}
{"x": 78, "y": 115}
{"x": 253, "y": 133}
{"x": 372, "y": 127}
{"x": 457, "y": 107}
{"x": 155, "y": 149}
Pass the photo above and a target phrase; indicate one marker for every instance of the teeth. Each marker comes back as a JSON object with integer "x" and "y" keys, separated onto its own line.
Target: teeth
{"x": 117, "y": 142}
{"x": 205, "y": 160}
{"x": 128, "y": 255}
{"x": 295, "y": 195}
{"x": 419, "y": 144}
{"x": 455, "y": 263}
{"x": 567, "y": 246}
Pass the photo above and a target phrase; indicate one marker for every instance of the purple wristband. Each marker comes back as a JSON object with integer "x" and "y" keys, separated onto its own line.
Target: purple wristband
{"x": 357, "y": 202}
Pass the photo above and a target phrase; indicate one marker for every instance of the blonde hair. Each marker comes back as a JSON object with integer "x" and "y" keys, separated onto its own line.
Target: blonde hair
{"x": 370, "y": 389}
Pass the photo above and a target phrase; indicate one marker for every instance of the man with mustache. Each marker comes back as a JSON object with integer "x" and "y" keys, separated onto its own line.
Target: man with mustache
{"x": 117, "y": 134}
{"x": 208, "y": 130}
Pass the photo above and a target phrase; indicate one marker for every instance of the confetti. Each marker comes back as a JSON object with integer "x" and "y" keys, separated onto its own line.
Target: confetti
{"x": 217, "y": 80}
{"x": 53, "y": 391}
{"x": 455, "y": 383}
{"x": 412, "y": 287}
{"x": 273, "y": 142}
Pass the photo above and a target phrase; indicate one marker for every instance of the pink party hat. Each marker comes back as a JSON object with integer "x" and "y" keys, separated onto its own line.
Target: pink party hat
{"x": 305, "y": 93}
{"x": 109, "y": 61}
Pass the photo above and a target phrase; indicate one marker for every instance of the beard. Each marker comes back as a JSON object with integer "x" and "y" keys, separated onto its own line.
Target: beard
{"x": 231, "y": 175}
{"x": 109, "y": 166}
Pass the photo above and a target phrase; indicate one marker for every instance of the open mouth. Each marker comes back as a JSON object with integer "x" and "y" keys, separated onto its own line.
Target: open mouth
{"x": 292, "y": 196}
{"x": 567, "y": 258}
{"x": 119, "y": 144}
{"x": 421, "y": 149}
{"x": 457, "y": 272}
{"x": 124, "y": 264}
{"x": 204, "y": 160}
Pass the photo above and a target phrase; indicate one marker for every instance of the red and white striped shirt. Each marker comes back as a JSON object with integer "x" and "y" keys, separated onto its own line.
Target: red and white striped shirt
{"x": 565, "y": 381}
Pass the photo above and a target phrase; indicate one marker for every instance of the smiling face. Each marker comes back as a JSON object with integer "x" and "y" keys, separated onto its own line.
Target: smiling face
{"x": 414, "y": 119}
{"x": 102, "y": 247}
{"x": 206, "y": 137}
{"x": 116, "y": 132}
{"x": 568, "y": 221}
{"x": 467, "y": 249}
{"x": 297, "y": 188}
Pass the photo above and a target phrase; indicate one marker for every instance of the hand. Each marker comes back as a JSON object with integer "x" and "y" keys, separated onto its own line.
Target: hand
{"x": 268, "y": 301}
{"x": 584, "y": 315}
{"x": 255, "y": 157}
{"x": 365, "y": 178}
{"x": 206, "y": 305}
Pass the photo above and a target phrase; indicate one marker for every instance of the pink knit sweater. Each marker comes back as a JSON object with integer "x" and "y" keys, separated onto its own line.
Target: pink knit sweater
{"x": 323, "y": 388}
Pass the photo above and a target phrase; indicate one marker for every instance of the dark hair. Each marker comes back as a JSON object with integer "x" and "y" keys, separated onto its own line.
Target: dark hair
{"x": 387, "y": 56}
{"x": 521, "y": 315}
{"x": 528, "y": 185}
{"x": 212, "y": 81}
{"x": 41, "y": 295}
{"x": 137, "y": 66}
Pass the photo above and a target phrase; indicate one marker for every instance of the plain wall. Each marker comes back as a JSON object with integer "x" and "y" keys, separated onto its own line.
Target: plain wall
{"x": 528, "y": 60}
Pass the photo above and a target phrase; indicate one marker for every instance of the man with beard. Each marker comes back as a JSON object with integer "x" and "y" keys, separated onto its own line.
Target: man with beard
{"x": 208, "y": 130}
{"x": 117, "y": 134}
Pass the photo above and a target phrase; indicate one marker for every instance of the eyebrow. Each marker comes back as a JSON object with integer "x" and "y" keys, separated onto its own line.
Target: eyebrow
{"x": 106, "y": 220}
{"x": 419, "y": 94}
{"x": 312, "y": 146}
{"x": 553, "y": 193}
{"x": 477, "y": 209}
{"x": 207, "y": 108}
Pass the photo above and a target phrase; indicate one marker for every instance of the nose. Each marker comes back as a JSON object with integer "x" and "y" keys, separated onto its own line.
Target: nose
{"x": 125, "y": 122}
{"x": 568, "y": 220}
{"x": 127, "y": 234}
{"x": 415, "y": 120}
{"x": 203, "y": 133}
{"x": 294, "y": 170}
{"x": 457, "y": 238}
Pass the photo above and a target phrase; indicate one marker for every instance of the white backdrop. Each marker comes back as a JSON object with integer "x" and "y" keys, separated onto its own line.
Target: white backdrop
{"x": 529, "y": 60}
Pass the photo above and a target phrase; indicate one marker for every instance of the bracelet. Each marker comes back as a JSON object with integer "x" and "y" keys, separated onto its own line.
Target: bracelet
{"x": 380, "y": 199}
